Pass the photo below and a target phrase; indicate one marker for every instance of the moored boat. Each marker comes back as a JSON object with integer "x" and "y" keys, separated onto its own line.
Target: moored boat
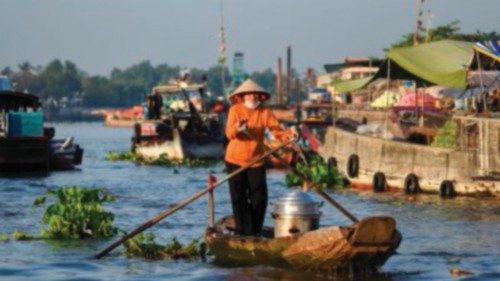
{"x": 185, "y": 128}
{"x": 25, "y": 144}
{"x": 472, "y": 168}
{"x": 124, "y": 118}
{"x": 65, "y": 154}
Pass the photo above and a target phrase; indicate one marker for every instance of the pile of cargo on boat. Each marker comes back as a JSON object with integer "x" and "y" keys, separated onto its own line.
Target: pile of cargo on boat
{"x": 324, "y": 175}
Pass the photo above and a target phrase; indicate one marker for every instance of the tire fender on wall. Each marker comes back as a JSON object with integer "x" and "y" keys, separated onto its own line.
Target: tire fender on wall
{"x": 332, "y": 163}
{"x": 447, "y": 189}
{"x": 412, "y": 185}
{"x": 379, "y": 182}
{"x": 353, "y": 166}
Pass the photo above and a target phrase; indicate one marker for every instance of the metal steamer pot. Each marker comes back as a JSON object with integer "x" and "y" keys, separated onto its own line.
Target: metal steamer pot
{"x": 294, "y": 213}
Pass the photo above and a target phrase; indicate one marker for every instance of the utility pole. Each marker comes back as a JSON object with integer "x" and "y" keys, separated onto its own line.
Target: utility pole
{"x": 279, "y": 82}
{"x": 298, "y": 100}
{"x": 418, "y": 22}
{"x": 428, "y": 25}
{"x": 222, "y": 50}
{"x": 288, "y": 73}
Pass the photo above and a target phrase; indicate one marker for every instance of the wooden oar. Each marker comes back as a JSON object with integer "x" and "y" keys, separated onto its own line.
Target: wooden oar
{"x": 185, "y": 202}
{"x": 304, "y": 178}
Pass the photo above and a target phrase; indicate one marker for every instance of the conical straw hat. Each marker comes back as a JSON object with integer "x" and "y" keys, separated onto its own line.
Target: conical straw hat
{"x": 249, "y": 86}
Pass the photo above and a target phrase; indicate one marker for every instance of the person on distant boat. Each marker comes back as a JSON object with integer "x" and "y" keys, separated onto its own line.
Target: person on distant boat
{"x": 248, "y": 189}
{"x": 155, "y": 104}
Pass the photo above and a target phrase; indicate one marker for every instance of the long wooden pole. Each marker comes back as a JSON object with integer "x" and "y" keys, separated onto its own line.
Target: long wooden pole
{"x": 185, "y": 202}
{"x": 211, "y": 209}
{"x": 304, "y": 178}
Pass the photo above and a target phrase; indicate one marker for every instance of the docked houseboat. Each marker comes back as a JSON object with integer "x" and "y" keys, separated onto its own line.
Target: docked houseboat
{"x": 471, "y": 168}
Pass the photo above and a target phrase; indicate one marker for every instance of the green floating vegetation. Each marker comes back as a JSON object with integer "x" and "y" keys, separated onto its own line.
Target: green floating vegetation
{"x": 316, "y": 171}
{"x": 145, "y": 246}
{"x": 22, "y": 236}
{"x": 120, "y": 156}
{"x": 446, "y": 136}
{"x": 4, "y": 237}
{"x": 77, "y": 214}
{"x": 163, "y": 160}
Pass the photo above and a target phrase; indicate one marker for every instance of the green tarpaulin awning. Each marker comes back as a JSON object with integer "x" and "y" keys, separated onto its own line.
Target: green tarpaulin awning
{"x": 343, "y": 86}
{"x": 442, "y": 63}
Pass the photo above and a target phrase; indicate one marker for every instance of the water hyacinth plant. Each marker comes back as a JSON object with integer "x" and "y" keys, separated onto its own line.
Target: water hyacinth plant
{"x": 77, "y": 213}
{"x": 22, "y": 236}
{"x": 163, "y": 160}
{"x": 121, "y": 156}
{"x": 145, "y": 246}
{"x": 318, "y": 172}
{"x": 4, "y": 237}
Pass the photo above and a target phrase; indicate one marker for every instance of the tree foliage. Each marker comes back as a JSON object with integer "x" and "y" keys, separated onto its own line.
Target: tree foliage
{"x": 447, "y": 31}
{"x": 60, "y": 81}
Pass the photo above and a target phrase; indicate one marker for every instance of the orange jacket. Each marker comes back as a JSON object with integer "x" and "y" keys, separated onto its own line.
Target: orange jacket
{"x": 241, "y": 149}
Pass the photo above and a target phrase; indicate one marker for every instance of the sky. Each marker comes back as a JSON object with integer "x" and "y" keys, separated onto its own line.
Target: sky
{"x": 99, "y": 35}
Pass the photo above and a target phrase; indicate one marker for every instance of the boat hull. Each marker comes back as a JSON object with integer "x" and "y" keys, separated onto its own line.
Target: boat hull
{"x": 360, "y": 248}
{"x": 24, "y": 154}
{"x": 432, "y": 166}
{"x": 177, "y": 149}
{"x": 64, "y": 154}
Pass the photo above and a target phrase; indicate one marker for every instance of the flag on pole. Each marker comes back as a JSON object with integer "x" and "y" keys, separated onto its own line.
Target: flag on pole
{"x": 212, "y": 180}
{"x": 222, "y": 46}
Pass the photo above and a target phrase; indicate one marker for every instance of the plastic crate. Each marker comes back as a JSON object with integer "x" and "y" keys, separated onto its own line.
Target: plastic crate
{"x": 25, "y": 124}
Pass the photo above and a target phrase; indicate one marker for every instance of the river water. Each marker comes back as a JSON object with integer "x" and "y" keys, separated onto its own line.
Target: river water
{"x": 437, "y": 234}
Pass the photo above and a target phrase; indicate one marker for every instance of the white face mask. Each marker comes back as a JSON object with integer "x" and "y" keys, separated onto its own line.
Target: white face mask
{"x": 252, "y": 104}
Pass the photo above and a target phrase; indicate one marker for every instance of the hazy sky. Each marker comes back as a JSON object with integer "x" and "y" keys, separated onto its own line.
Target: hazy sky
{"x": 99, "y": 35}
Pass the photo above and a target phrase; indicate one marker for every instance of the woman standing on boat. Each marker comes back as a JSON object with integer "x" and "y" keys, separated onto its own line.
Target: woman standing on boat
{"x": 249, "y": 116}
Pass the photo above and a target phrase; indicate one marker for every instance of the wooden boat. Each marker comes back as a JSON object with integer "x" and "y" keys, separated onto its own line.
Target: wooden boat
{"x": 124, "y": 118}
{"x": 175, "y": 145}
{"x": 359, "y": 248}
{"x": 25, "y": 144}
{"x": 181, "y": 133}
{"x": 65, "y": 154}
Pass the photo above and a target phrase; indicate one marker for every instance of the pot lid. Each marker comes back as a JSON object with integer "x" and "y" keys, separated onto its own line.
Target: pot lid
{"x": 296, "y": 203}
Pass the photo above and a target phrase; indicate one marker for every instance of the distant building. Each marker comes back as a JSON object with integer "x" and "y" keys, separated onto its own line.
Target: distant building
{"x": 351, "y": 68}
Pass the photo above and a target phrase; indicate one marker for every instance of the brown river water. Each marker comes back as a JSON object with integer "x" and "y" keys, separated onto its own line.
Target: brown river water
{"x": 438, "y": 235}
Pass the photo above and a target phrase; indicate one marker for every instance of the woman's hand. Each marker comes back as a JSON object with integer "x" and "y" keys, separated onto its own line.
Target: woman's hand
{"x": 242, "y": 125}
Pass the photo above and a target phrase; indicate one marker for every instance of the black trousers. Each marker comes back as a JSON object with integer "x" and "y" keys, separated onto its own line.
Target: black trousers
{"x": 248, "y": 192}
